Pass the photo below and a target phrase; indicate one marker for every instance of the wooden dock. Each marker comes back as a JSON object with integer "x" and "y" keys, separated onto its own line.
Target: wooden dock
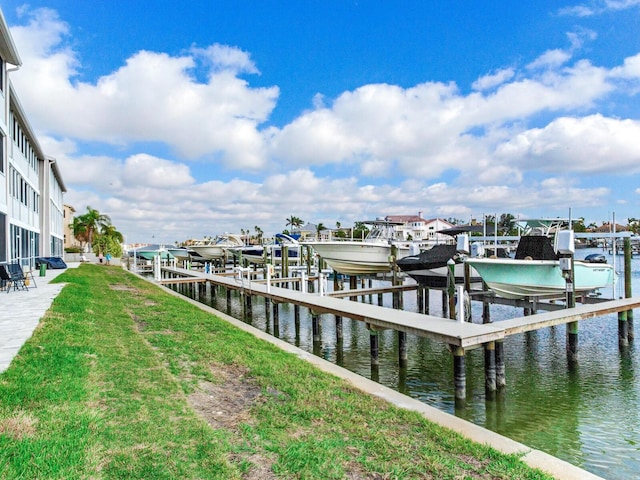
{"x": 460, "y": 336}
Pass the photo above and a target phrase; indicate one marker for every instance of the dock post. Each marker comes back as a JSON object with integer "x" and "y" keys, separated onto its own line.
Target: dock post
{"x": 276, "y": 320}
{"x": 296, "y": 324}
{"x": 572, "y": 342}
{"x": 501, "y": 379}
{"x": 374, "y": 343}
{"x": 420, "y": 299}
{"x": 490, "y": 369}
{"x": 380, "y": 302}
{"x": 276, "y": 312}
{"x": 486, "y": 311}
{"x": 196, "y": 291}
{"x": 445, "y": 304}
{"x": 623, "y": 323}
{"x": 402, "y": 349}
{"x": 459, "y": 376}
{"x": 285, "y": 262}
{"x": 315, "y": 324}
{"x": 228, "y": 295}
{"x": 207, "y": 291}
{"x": 248, "y": 307}
{"x": 427, "y": 295}
{"x": 339, "y": 335}
{"x": 451, "y": 288}
{"x": 628, "y": 254}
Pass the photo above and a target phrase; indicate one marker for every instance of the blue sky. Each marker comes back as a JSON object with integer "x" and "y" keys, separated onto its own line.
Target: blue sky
{"x": 186, "y": 119}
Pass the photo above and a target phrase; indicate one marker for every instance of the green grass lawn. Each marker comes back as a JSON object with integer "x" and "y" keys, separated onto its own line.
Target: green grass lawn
{"x": 123, "y": 380}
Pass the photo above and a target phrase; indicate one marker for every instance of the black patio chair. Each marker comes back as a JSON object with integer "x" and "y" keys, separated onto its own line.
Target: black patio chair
{"x": 17, "y": 276}
{"x": 5, "y": 278}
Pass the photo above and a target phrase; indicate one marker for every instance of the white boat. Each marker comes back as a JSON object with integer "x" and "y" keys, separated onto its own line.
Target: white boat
{"x": 271, "y": 252}
{"x": 369, "y": 256}
{"x": 536, "y": 270}
{"x": 216, "y": 248}
{"x": 180, "y": 253}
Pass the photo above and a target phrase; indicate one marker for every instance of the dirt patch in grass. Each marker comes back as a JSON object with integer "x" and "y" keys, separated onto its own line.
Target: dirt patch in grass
{"x": 19, "y": 426}
{"x": 122, "y": 288}
{"x": 228, "y": 403}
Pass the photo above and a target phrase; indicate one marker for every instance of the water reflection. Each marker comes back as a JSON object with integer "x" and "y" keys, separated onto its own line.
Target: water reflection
{"x": 584, "y": 412}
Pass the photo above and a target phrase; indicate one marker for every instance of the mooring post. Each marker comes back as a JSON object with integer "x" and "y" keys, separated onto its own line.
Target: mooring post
{"x": 315, "y": 325}
{"x": 402, "y": 349}
{"x": 445, "y": 304}
{"x": 374, "y": 343}
{"x": 501, "y": 379}
{"x": 490, "y": 368}
{"x": 623, "y": 324}
{"x": 276, "y": 316}
{"x": 228, "y": 295}
{"x": 459, "y": 375}
{"x": 427, "y": 294}
{"x": 339, "y": 335}
{"x": 486, "y": 311}
{"x": 207, "y": 291}
{"x": 285, "y": 262}
{"x": 380, "y": 302}
{"x": 451, "y": 288}
{"x": 627, "y": 284}
{"x": 420, "y": 299}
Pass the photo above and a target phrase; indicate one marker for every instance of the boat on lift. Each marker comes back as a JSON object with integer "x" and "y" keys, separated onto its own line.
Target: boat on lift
{"x": 537, "y": 269}
{"x": 372, "y": 255}
{"x": 216, "y": 249}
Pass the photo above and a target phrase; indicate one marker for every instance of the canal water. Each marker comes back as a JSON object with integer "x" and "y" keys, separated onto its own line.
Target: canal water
{"x": 586, "y": 413}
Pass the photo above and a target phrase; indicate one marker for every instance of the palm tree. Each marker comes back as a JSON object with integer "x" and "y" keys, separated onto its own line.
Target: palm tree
{"x": 110, "y": 231}
{"x": 259, "y": 233}
{"x": 295, "y": 222}
{"x": 319, "y": 228}
{"x": 93, "y": 222}
{"x": 79, "y": 230}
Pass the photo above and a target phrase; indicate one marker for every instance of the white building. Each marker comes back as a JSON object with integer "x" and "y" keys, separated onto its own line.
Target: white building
{"x": 417, "y": 229}
{"x": 31, "y": 186}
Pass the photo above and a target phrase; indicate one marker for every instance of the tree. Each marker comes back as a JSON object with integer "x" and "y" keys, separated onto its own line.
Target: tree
{"x": 79, "y": 230}
{"x": 93, "y": 221}
{"x": 360, "y": 230}
{"x": 579, "y": 226}
{"x": 295, "y": 222}
{"x": 259, "y": 233}
{"x": 319, "y": 228}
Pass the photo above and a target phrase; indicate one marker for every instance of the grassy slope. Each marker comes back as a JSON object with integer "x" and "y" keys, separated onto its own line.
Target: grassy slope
{"x": 122, "y": 380}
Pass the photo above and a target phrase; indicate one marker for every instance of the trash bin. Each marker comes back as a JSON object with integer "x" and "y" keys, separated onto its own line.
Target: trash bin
{"x": 43, "y": 269}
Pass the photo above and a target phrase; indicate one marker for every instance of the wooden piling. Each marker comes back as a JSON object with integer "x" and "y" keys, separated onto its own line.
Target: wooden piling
{"x": 490, "y": 368}
{"x": 315, "y": 325}
{"x": 339, "y": 334}
{"x": 402, "y": 349}
{"x": 572, "y": 342}
{"x": 501, "y": 380}
{"x": 627, "y": 285}
{"x": 374, "y": 344}
{"x": 459, "y": 375}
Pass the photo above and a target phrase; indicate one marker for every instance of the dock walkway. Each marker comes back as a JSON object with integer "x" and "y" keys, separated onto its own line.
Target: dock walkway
{"x": 459, "y": 334}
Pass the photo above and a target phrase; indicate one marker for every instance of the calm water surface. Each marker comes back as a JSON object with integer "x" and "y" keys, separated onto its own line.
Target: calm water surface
{"x": 587, "y": 414}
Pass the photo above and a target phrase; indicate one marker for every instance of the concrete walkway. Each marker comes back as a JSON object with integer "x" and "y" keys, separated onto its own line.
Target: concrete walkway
{"x": 22, "y": 311}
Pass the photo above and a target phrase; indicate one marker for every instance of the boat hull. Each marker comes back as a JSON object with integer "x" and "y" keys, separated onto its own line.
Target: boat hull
{"x": 357, "y": 258}
{"x": 515, "y": 279}
{"x": 438, "y": 277}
